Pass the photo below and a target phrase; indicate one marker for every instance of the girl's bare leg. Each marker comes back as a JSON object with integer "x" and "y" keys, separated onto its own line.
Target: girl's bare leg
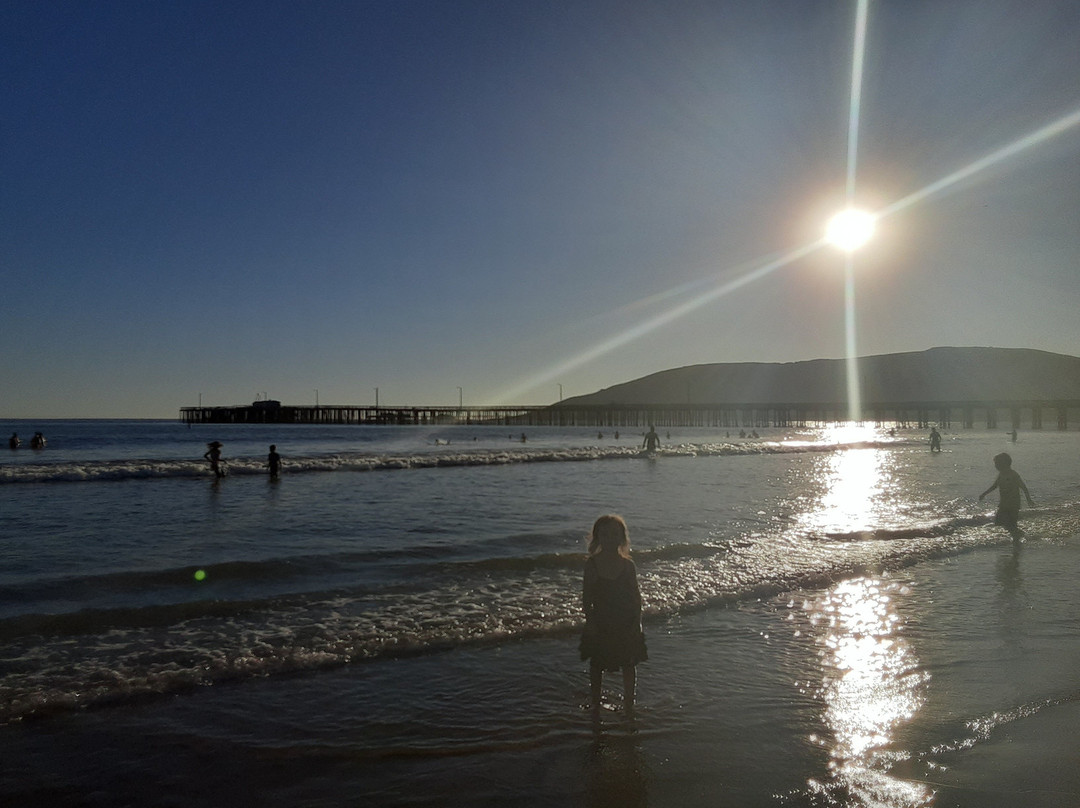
{"x": 596, "y": 675}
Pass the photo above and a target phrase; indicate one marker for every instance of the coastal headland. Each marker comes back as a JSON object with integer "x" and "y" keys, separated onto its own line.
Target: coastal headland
{"x": 966, "y": 387}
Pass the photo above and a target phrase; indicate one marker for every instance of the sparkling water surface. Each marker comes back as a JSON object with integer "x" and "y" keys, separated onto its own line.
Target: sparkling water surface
{"x": 424, "y": 584}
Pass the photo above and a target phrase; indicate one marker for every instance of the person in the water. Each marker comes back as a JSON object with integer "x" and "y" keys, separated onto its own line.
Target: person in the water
{"x": 213, "y": 455}
{"x": 611, "y": 598}
{"x": 1009, "y": 485}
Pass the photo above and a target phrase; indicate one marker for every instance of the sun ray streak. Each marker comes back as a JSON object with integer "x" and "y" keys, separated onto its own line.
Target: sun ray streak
{"x": 651, "y": 324}
{"x": 853, "y": 389}
{"x": 1061, "y": 125}
{"x": 854, "y": 394}
{"x": 856, "y": 96}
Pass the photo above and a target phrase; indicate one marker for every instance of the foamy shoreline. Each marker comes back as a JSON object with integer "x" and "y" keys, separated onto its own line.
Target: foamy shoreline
{"x": 737, "y": 703}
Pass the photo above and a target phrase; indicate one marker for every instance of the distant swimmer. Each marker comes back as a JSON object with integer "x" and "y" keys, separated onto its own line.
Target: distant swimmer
{"x": 1009, "y": 486}
{"x": 38, "y": 441}
{"x": 523, "y": 438}
{"x": 652, "y": 440}
{"x": 1012, "y": 435}
{"x": 599, "y": 435}
{"x": 273, "y": 462}
{"x": 213, "y": 454}
{"x": 13, "y": 441}
{"x": 935, "y": 440}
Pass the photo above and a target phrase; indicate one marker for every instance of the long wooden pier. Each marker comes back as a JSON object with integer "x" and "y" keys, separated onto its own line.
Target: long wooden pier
{"x": 362, "y": 415}
{"x": 964, "y": 414}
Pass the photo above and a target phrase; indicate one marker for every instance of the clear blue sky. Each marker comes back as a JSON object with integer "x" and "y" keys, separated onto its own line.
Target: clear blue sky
{"x": 231, "y": 199}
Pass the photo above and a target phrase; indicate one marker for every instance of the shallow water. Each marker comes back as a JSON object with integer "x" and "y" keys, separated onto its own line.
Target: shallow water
{"x": 395, "y": 618}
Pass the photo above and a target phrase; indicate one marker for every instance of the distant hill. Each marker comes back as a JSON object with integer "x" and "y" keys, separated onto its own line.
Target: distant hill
{"x": 938, "y": 374}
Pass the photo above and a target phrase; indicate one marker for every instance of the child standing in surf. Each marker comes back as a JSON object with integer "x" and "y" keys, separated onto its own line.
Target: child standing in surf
{"x": 213, "y": 455}
{"x": 613, "y": 638}
{"x": 1009, "y": 486}
{"x": 273, "y": 462}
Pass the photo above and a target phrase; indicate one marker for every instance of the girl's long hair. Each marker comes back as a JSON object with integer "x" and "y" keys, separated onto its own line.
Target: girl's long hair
{"x": 609, "y": 532}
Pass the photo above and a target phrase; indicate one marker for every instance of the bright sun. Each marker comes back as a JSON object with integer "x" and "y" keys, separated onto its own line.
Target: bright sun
{"x": 850, "y": 229}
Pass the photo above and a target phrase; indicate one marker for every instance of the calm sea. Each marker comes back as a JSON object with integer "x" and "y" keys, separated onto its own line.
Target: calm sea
{"x": 393, "y": 620}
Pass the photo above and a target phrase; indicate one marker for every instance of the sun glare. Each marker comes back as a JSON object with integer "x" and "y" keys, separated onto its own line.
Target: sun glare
{"x": 847, "y": 230}
{"x": 872, "y": 686}
{"x": 850, "y": 229}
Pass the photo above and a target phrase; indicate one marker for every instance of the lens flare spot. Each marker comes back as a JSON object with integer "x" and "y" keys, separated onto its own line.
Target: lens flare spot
{"x": 200, "y": 575}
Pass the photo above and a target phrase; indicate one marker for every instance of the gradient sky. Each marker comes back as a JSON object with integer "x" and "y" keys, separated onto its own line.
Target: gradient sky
{"x": 232, "y": 199}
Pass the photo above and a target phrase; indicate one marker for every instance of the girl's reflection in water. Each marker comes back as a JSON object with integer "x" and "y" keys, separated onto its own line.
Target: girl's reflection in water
{"x": 616, "y": 774}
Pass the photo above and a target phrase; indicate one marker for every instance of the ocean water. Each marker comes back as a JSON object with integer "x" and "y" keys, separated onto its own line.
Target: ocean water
{"x": 831, "y": 616}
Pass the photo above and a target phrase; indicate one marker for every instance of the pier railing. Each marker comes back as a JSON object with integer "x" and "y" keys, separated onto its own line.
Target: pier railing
{"x": 964, "y": 414}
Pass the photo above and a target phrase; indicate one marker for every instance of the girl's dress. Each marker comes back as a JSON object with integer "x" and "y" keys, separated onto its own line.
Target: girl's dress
{"x": 613, "y": 637}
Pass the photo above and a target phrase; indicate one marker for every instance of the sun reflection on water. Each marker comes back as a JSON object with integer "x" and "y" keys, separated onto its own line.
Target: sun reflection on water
{"x": 872, "y": 685}
{"x": 853, "y": 481}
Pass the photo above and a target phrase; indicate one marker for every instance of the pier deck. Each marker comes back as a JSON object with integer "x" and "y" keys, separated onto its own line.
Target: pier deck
{"x": 964, "y": 414}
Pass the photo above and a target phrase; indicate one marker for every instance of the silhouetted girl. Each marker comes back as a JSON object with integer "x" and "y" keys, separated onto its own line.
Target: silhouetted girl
{"x": 613, "y": 638}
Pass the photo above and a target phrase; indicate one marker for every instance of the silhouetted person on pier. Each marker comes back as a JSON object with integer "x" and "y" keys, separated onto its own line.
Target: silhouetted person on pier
{"x": 213, "y": 454}
{"x": 273, "y": 462}
{"x": 935, "y": 440}
{"x": 1009, "y": 486}
{"x": 652, "y": 440}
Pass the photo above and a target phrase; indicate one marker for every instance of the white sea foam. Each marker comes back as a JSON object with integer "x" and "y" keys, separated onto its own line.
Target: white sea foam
{"x": 105, "y": 470}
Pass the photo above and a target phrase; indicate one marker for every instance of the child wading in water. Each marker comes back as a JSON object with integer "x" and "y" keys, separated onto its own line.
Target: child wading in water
{"x": 613, "y": 638}
{"x": 273, "y": 462}
{"x": 213, "y": 454}
{"x": 1009, "y": 486}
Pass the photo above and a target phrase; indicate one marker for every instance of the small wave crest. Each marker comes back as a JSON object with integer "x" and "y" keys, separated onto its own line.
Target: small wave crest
{"x": 950, "y": 526}
{"x": 100, "y": 656}
{"x": 927, "y": 531}
{"x": 114, "y": 470}
{"x": 59, "y": 662}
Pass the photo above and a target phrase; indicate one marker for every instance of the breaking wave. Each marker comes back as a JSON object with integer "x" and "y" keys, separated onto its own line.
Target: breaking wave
{"x": 114, "y": 470}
